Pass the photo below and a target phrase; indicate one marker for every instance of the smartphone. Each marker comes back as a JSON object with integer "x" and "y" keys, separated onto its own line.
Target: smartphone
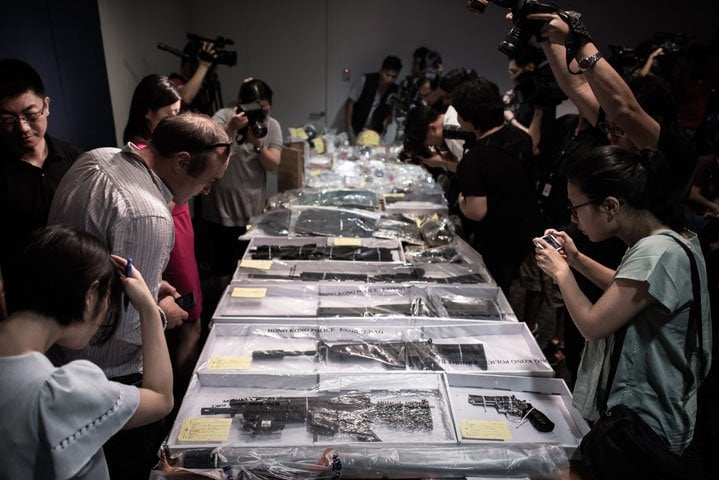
{"x": 186, "y": 301}
{"x": 551, "y": 240}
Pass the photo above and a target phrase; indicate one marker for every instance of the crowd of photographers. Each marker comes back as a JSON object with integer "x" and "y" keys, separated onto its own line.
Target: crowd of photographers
{"x": 673, "y": 82}
{"x": 507, "y": 180}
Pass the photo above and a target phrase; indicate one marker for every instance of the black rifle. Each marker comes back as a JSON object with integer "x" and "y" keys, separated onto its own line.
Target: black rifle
{"x": 350, "y": 414}
{"x": 420, "y": 355}
{"x": 515, "y": 407}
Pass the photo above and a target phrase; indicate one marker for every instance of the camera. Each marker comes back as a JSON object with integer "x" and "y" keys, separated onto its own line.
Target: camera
{"x": 626, "y": 59}
{"x": 224, "y": 57}
{"x": 256, "y": 118}
{"x": 453, "y": 132}
{"x": 523, "y": 29}
{"x": 551, "y": 240}
{"x": 478, "y": 7}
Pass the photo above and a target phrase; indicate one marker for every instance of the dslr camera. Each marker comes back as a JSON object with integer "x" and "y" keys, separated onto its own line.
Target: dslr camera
{"x": 256, "y": 117}
{"x": 224, "y": 57}
{"x": 523, "y": 29}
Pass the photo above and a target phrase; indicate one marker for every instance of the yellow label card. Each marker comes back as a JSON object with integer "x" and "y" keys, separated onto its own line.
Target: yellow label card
{"x": 258, "y": 264}
{"x": 246, "y": 292}
{"x": 485, "y": 429}
{"x": 394, "y": 195}
{"x": 226, "y": 362}
{"x": 319, "y": 145}
{"x": 347, "y": 242}
{"x": 205, "y": 430}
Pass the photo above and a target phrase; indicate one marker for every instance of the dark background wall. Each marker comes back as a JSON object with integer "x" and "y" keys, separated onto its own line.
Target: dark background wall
{"x": 299, "y": 47}
{"x": 63, "y": 41}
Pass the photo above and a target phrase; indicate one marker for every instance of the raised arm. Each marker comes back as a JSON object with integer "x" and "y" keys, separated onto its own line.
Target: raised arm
{"x": 622, "y": 300}
{"x": 600, "y": 80}
{"x": 194, "y": 84}
{"x": 156, "y": 399}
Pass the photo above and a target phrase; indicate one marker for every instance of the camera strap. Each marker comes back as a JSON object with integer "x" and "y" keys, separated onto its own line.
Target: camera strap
{"x": 578, "y": 34}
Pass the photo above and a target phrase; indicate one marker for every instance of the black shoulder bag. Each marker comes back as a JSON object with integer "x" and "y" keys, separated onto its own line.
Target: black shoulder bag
{"x": 621, "y": 444}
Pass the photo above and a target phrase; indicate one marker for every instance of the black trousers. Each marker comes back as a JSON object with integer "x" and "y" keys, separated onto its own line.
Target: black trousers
{"x": 131, "y": 454}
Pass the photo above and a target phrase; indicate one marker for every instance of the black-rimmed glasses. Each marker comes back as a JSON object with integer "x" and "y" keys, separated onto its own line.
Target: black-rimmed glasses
{"x": 204, "y": 148}
{"x": 10, "y": 119}
{"x": 573, "y": 208}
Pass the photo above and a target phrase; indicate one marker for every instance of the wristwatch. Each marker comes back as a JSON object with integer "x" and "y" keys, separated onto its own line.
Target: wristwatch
{"x": 587, "y": 63}
{"x": 163, "y": 317}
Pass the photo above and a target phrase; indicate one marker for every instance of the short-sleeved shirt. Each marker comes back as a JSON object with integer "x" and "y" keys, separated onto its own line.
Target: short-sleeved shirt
{"x": 241, "y": 193}
{"x": 455, "y": 145}
{"x": 26, "y": 192}
{"x": 54, "y": 421}
{"x": 495, "y": 168}
{"x": 653, "y": 366}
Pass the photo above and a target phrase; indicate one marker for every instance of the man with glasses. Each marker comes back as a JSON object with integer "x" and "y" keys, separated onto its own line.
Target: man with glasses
{"x": 31, "y": 161}
{"x": 122, "y": 196}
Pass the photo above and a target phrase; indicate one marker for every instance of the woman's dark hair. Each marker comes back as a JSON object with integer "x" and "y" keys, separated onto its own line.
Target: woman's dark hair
{"x": 640, "y": 179}
{"x": 54, "y": 272}
{"x": 415, "y": 130}
{"x": 479, "y": 103}
{"x": 153, "y": 92}
{"x": 253, "y": 91}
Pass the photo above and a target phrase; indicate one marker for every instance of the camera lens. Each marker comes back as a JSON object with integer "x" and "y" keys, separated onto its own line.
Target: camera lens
{"x": 258, "y": 130}
{"x": 515, "y": 41}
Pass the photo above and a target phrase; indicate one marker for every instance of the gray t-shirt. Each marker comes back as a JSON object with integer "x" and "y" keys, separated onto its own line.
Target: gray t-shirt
{"x": 54, "y": 421}
{"x": 242, "y": 192}
{"x": 653, "y": 366}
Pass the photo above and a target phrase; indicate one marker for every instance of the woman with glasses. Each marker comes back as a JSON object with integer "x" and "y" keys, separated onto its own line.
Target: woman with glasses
{"x": 55, "y": 420}
{"x": 618, "y": 193}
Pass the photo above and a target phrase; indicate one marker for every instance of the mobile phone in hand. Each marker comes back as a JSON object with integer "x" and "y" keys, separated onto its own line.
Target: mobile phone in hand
{"x": 186, "y": 301}
{"x": 551, "y": 240}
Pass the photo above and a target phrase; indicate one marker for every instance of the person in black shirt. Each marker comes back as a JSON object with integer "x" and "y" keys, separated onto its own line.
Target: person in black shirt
{"x": 31, "y": 162}
{"x": 497, "y": 199}
{"x": 367, "y": 106}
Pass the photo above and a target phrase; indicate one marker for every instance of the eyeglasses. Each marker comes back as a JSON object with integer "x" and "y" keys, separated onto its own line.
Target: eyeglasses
{"x": 610, "y": 128}
{"x": 10, "y": 119}
{"x": 204, "y": 148}
{"x": 573, "y": 208}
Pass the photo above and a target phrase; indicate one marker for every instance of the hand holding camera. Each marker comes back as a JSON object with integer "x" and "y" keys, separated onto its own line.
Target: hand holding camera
{"x": 255, "y": 122}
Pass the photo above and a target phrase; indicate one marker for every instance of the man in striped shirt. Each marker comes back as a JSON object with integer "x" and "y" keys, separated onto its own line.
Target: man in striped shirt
{"x": 122, "y": 196}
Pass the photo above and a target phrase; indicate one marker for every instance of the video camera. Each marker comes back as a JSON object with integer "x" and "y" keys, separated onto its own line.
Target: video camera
{"x": 626, "y": 59}
{"x": 193, "y": 50}
{"x": 523, "y": 29}
{"x": 256, "y": 117}
{"x": 224, "y": 57}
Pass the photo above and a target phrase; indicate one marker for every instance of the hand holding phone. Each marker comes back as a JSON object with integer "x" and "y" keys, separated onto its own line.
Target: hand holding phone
{"x": 186, "y": 301}
{"x": 551, "y": 240}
